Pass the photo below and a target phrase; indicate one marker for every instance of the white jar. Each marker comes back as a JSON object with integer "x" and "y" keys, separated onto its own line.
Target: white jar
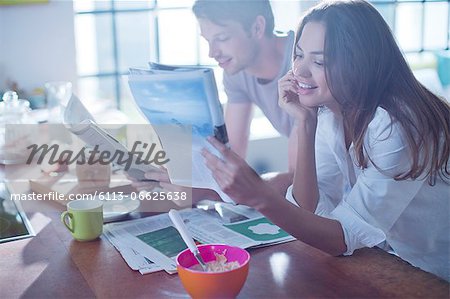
{"x": 13, "y": 113}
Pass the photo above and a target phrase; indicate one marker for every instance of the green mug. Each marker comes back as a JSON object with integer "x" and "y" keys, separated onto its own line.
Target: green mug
{"x": 84, "y": 219}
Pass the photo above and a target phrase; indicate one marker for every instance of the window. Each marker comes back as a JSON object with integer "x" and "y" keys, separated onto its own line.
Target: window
{"x": 418, "y": 25}
{"x": 113, "y": 35}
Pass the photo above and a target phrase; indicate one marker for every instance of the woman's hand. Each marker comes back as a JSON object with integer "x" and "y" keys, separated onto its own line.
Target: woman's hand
{"x": 289, "y": 99}
{"x": 159, "y": 181}
{"x": 236, "y": 178}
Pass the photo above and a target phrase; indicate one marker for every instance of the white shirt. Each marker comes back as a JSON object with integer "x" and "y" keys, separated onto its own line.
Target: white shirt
{"x": 373, "y": 208}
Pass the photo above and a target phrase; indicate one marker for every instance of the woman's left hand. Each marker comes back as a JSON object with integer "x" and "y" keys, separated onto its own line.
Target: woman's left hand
{"x": 289, "y": 99}
{"x": 236, "y": 178}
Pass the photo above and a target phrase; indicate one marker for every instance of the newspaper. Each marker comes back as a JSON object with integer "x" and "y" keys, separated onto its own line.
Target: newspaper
{"x": 82, "y": 124}
{"x": 151, "y": 244}
{"x": 182, "y": 104}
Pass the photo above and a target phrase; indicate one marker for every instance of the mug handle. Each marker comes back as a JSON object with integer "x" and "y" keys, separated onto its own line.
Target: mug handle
{"x": 64, "y": 217}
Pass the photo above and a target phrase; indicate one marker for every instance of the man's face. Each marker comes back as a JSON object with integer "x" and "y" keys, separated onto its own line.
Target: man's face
{"x": 230, "y": 45}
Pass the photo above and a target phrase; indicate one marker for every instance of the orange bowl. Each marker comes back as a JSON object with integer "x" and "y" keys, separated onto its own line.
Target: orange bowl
{"x": 225, "y": 284}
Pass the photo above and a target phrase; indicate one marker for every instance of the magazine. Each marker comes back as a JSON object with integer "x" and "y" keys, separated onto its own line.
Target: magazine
{"x": 183, "y": 96}
{"x": 152, "y": 244}
{"x": 183, "y": 106}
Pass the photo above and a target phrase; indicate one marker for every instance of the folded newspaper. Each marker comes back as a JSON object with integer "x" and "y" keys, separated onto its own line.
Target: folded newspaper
{"x": 151, "y": 244}
{"x": 183, "y": 106}
{"x": 82, "y": 124}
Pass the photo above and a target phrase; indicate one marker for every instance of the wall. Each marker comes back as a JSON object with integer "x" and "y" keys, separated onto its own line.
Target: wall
{"x": 2, "y": 50}
{"x": 268, "y": 154}
{"x": 37, "y": 44}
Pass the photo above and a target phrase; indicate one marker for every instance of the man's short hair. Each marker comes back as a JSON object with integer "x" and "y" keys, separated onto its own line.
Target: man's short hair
{"x": 241, "y": 11}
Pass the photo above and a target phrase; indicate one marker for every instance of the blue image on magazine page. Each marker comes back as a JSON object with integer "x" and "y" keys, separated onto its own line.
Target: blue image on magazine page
{"x": 182, "y": 99}
{"x": 187, "y": 100}
{"x": 175, "y": 102}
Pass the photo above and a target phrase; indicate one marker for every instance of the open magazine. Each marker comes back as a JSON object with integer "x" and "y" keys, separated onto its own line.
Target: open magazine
{"x": 184, "y": 96}
{"x": 151, "y": 244}
{"x": 183, "y": 106}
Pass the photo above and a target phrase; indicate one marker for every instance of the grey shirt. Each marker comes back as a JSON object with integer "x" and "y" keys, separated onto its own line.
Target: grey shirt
{"x": 245, "y": 88}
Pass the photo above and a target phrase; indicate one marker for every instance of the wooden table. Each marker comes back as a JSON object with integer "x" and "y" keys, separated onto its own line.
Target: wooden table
{"x": 53, "y": 265}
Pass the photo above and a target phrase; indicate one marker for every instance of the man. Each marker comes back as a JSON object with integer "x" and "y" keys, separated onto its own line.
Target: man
{"x": 241, "y": 39}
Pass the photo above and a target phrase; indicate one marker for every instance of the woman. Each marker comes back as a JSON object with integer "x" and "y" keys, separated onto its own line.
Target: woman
{"x": 373, "y": 145}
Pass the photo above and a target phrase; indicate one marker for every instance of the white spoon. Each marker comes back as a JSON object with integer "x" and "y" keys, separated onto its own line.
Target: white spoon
{"x": 182, "y": 229}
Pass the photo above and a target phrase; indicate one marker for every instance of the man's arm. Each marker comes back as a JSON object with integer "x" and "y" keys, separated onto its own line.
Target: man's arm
{"x": 238, "y": 117}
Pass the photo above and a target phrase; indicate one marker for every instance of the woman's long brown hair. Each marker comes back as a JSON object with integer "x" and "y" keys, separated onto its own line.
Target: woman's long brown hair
{"x": 365, "y": 69}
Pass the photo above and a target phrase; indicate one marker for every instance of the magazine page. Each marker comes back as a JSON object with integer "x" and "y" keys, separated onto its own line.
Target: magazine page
{"x": 179, "y": 98}
{"x": 210, "y": 89}
{"x": 183, "y": 106}
{"x": 186, "y": 166}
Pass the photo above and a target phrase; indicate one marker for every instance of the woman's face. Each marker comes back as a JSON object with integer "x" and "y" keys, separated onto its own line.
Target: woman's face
{"x": 308, "y": 67}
